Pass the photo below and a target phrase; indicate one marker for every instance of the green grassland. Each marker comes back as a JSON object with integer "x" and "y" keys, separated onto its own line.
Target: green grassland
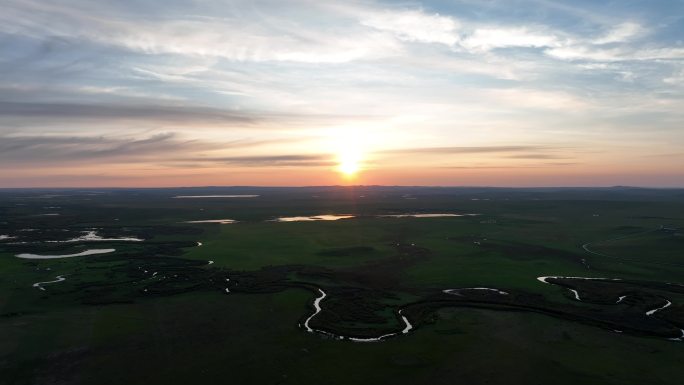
{"x": 113, "y": 321}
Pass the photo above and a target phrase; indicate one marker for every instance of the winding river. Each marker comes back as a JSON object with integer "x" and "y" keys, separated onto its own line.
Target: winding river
{"x": 317, "y": 306}
{"x": 651, "y": 312}
{"x": 574, "y": 292}
{"x": 408, "y": 326}
{"x": 39, "y": 285}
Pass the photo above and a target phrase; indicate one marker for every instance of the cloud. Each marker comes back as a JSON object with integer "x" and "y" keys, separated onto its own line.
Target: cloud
{"x": 466, "y": 150}
{"x": 314, "y": 160}
{"x": 53, "y": 150}
{"x": 536, "y": 156}
{"x": 487, "y": 39}
{"x": 86, "y": 80}
{"x": 621, "y": 33}
{"x": 505, "y": 167}
{"x": 615, "y": 54}
{"x": 675, "y": 79}
{"x": 37, "y": 115}
{"x": 523, "y": 98}
{"x": 164, "y": 149}
{"x": 123, "y": 112}
{"x": 616, "y": 45}
{"x": 33, "y": 149}
{"x": 253, "y": 32}
{"x": 415, "y": 26}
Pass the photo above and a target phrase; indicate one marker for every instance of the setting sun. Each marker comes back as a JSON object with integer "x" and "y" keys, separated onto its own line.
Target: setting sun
{"x": 348, "y": 190}
{"x": 349, "y": 164}
{"x": 349, "y": 143}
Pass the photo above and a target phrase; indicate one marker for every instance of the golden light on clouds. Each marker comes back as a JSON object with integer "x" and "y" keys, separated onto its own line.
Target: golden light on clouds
{"x": 379, "y": 92}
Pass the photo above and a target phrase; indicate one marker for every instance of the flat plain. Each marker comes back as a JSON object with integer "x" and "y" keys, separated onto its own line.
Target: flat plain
{"x": 342, "y": 285}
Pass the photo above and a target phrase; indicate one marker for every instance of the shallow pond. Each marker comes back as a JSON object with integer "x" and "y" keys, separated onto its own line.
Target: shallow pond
{"x": 220, "y": 221}
{"x": 313, "y": 218}
{"x": 81, "y": 254}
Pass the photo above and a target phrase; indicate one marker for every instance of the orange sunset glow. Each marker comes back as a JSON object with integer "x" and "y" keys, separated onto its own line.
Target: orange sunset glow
{"x": 370, "y": 93}
{"x": 341, "y": 192}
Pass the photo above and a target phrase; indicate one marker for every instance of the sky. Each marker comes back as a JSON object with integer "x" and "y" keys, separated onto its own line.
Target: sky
{"x": 142, "y": 93}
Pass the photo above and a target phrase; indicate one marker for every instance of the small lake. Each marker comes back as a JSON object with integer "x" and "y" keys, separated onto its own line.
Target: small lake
{"x": 81, "y": 254}
{"x": 219, "y": 221}
{"x": 313, "y": 218}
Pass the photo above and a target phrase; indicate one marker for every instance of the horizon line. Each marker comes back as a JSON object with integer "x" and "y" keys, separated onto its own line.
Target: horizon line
{"x": 344, "y": 186}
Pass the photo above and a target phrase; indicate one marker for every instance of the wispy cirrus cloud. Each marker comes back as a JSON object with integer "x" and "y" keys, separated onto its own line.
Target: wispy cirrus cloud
{"x": 284, "y": 160}
{"x": 621, "y": 33}
{"x": 538, "y": 156}
{"x": 486, "y": 39}
{"x": 415, "y": 26}
{"x": 60, "y": 149}
{"x": 119, "y": 111}
{"x": 272, "y": 38}
{"x": 506, "y": 80}
{"x": 56, "y": 150}
{"x": 467, "y": 150}
{"x": 507, "y": 167}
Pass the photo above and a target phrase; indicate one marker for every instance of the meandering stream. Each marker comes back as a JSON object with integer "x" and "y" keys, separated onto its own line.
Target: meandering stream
{"x": 620, "y": 299}
{"x": 39, "y": 285}
{"x": 653, "y": 311}
{"x": 408, "y": 326}
{"x": 317, "y": 306}
{"x": 574, "y": 292}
